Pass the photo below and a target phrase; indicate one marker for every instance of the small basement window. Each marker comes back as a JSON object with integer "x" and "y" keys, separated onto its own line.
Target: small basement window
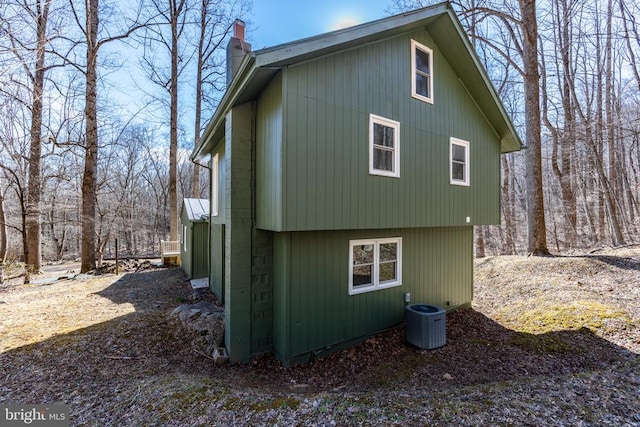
{"x": 374, "y": 264}
{"x": 421, "y": 72}
{"x": 459, "y": 162}
{"x": 384, "y": 146}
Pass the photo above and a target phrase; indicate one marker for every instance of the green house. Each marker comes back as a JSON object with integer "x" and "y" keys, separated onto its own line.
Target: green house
{"x": 194, "y": 239}
{"x": 347, "y": 173}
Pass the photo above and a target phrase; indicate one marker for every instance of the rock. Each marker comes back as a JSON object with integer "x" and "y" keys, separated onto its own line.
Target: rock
{"x": 448, "y": 377}
{"x": 205, "y": 321}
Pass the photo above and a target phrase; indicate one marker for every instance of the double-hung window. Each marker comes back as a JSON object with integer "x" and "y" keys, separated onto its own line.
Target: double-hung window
{"x": 384, "y": 146}
{"x": 374, "y": 264}
{"x": 459, "y": 161}
{"x": 421, "y": 72}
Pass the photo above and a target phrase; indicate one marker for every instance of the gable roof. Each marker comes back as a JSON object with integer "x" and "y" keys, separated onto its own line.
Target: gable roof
{"x": 196, "y": 209}
{"x": 259, "y": 67}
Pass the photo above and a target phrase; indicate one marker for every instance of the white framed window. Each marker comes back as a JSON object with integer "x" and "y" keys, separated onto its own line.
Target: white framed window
{"x": 421, "y": 72}
{"x": 458, "y": 161}
{"x": 215, "y": 193}
{"x": 184, "y": 237}
{"x": 384, "y": 146}
{"x": 374, "y": 264}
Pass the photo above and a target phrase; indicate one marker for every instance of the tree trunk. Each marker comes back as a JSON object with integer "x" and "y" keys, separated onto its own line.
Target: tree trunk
{"x": 479, "y": 241}
{"x": 612, "y": 183}
{"x": 568, "y": 137}
{"x": 3, "y": 238}
{"x": 176, "y": 11}
{"x": 3, "y": 231}
{"x": 537, "y": 240}
{"x": 34, "y": 187}
{"x": 88, "y": 252}
{"x": 509, "y": 247}
{"x": 195, "y": 187}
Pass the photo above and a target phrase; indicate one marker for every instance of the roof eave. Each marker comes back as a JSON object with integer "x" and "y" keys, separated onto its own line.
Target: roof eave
{"x": 258, "y": 67}
{"x": 323, "y": 44}
{"x": 482, "y": 89}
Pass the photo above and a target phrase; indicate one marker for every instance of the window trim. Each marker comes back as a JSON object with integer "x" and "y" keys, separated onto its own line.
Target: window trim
{"x": 376, "y": 285}
{"x": 215, "y": 190}
{"x": 416, "y": 45}
{"x": 467, "y": 157}
{"x": 373, "y": 120}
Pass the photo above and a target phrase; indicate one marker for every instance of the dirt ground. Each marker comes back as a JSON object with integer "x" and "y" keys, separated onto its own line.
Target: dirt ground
{"x": 549, "y": 341}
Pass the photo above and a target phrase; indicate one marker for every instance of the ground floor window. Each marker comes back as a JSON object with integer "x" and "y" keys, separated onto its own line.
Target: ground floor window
{"x": 374, "y": 264}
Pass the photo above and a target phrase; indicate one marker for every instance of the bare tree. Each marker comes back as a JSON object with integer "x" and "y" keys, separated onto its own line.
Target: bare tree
{"x": 170, "y": 19}
{"x": 93, "y": 45}
{"x": 14, "y": 149}
{"x": 520, "y": 25}
{"x": 30, "y": 50}
{"x": 215, "y": 21}
{"x": 562, "y": 134}
{"x": 3, "y": 234}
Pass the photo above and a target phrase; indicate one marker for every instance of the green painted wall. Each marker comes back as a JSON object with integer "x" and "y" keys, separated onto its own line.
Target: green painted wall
{"x": 237, "y": 193}
{"x": 194, "y": 254}
{"x": 241, "y": 256}
{"x": 316, "y": 162}
{"x": 200, "y": 249}
{"x": 269, "y": 171}
{"x": 217, "y": 227}
{"x": 313, "y": 311}
{"x": 261, "y": 292}
{"x": 216, "y": 274}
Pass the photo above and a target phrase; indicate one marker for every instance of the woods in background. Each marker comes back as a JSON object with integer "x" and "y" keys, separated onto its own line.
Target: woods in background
{"x": 79, "y": 166}
{"x": 586, "y": 68}
{"x": 80, "y": 162}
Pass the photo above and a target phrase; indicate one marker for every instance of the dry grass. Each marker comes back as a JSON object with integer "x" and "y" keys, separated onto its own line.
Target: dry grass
{"x": 34, "y": 313}
{"x": 549, "y": 341}
{"x": 599, "y": 291}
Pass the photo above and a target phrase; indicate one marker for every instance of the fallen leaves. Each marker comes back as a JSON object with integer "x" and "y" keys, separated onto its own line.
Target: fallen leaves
{"x": 125, "y": 362}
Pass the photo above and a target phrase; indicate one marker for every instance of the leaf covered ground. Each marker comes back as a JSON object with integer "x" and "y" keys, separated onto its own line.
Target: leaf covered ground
{"x": 549, "y": 341}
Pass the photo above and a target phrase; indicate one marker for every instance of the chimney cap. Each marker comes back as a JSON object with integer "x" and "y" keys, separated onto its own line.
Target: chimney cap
{"x": 238, "y": 29}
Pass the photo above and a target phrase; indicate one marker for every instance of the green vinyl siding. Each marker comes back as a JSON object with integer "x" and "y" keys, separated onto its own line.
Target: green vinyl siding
{"x": 322, "y": 156}
{"x": 216, "y": 275}
{"x": 269, "y": 171}
{"x": 200, "y": 249}
{"x": 313, "y": 311}
{"x": 194, "y": 253}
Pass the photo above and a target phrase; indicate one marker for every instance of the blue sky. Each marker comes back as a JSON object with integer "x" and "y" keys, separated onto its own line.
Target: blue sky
{"x": 274, "y": 22}
{"x": 270, "y": 22}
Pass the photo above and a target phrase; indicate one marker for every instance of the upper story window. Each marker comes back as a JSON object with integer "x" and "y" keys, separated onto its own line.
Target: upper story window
{"x": 384, "y": 146}
{"x": 374, "y": 264}
{"x": 421, "y": 72}
{"x": 459, "y": 161}
{"x": 215, "y": 193}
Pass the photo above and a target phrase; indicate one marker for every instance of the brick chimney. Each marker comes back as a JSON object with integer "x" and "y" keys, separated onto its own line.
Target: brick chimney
{"x": 236, "y": 49}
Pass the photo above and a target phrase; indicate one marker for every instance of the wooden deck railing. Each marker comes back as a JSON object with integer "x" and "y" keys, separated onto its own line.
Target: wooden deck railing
{"x": 169, "y": 249}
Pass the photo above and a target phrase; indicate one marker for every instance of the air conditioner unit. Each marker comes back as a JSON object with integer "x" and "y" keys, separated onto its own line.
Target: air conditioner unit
{"x": 425, "y": 326}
